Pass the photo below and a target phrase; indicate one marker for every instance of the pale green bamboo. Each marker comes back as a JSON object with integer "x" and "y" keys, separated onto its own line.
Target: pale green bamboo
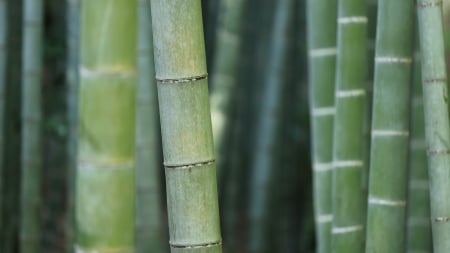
{"x": 105, "y": 186}
{"x": 30, "y": 223}
{"x": 386, "y": 218}
{"x": 3, "y": 80}
{"x": 437, "y": 130}
{"x": 418, "y": 221}
{"x": 348, "y": 142}
{"x": 268, "y": 128}
{"x": 149, "y": 233}
{"x": 322, "y": 57}
{"x": 188, "y": 147}
{"x": 72, "y": 79}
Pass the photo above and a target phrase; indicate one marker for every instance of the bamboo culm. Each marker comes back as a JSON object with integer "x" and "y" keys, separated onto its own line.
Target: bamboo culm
{"x": 321, "y": 23}
{"x": 418, "y": 221}
{"x": 31, "y": 130}
{"x": 186, "y": 130}
{"x": 386, "y": 218}
{"x": 437, "y": 130}
{"x": 348, "y": 142}
{"x": 105, "y": 181}
{"x": 268, "y": 130}
{"x": 149, "y": 232}
{"x": 3, "y": 80}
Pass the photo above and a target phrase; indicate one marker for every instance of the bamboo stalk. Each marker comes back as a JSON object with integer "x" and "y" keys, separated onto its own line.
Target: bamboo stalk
{"x": 3, "y": 80}
{"x": 149, "y": 233}
{"x": 72, "y": 79}
{"x": 31, "y": 130}
{"x": 418, "y": 221}
{"x": 105, "y": 183}
{"x": 437, "y": 130}
{"x": 321, "y": 21}
{"x": 390, "y": 128}
{"x": 348, "y": 142}
{"x": 188, "y": 147}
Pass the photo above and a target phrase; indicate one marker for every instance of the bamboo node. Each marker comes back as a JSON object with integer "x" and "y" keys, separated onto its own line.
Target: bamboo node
{"x": 322, "y": 167}
{"x": 418, "y": 222}
{"x": 435, "y": 80}
{"x": 345, "y": 230}
{"x": 351, "y": 164}
{"x": 423, "y": 5}
{"x": 182, "y": 80}
{"x": 350, "y": 93}
{"x": 113, "y": 71}
{"x": 323, "y": 52}
{"x": 391, "y": 59}
{"x": 386, "y": 202}
{"x": 438, "y": 151}
{"x": 389, "y": 133}
{"x": 324, "y": 218}
{"x": 352, "y": 20}
{"x": 79, "y": 249}
{"x": 190, "y": 166}
{"x": 323, "y": 111}
{"x": 440, "y": 219}
{"x": 196, "y": 246}
{"x": 419, "y": 184}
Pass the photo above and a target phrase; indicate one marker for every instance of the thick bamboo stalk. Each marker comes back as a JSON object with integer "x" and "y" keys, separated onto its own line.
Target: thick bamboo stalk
{"x": 437, "y": 130}
{"x": 418, "y": 220}
{"x": 386, "y": 218}
{"x": 188, "y": 147}
{"x": 72, "y": 80}
{"x": 105, "y": 183}
{"x": 321, "y": 25}
{"x": 31, "y": 130}
{"x": 3, "y": 80}
{"x": 268, "y": 130}
{"x": 149, "y": 233}
{"x": 348, "y": 141}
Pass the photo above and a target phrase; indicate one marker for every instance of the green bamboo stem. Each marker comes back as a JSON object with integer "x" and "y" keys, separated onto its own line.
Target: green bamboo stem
{"x": 321, "y": 21}
{"x": 268, "y": 130}
{"x": 31, "y": 131}
{"x": 348, "y": 141}
{"x": 386, "y": 218}
{"x": 3, "y": 80}
{"x": 437, "y": 131}
{"x": 72, "y": 79}
{"x": 418, "y": 220}
{"x": 188, "y": 147}
{"x": 149, "y": 233}
{"x": 105, "y": 182}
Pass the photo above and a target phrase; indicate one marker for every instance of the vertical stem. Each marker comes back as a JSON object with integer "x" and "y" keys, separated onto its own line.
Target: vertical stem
{"x": 390, "y": 128}
{"x": 188, "y": 147}
{"x": 149, "y": 233}
{"x": 105, "y": 185}
{"x": 31, "y": 131}
{"x": 321, "y": 25}
{"x": 3, "y": 80}
{"x": 418, "y": 221}
{"x": 437, "y": 130}
{"x": 348, "y": 142}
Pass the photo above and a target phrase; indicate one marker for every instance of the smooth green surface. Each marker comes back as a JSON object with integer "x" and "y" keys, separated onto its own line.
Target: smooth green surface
{"x": 390, "y": 128}
{"x": 437, "y": 131}
{"x": 3, "y": 80}
{"x": 105, "y": 186}
{"x": 321, "y": 25}
{"x": 30, "y": 222}
{"x": 148, "y": 222}
{"x": 188, "y": 148}
{"x": 348, "y": 142}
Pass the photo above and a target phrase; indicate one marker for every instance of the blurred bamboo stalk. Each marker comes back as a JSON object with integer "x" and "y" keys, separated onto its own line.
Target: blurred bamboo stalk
{"x": 348, "y": 142}
{"x": 3, "y": 81}
{"x": 188, "y": 147}
{"x": 418, "y": 221}
{"x": 321, "y": 25}
{"x": 386, "y": 218}
{"x": 437, "y": 130}
{"x": 149, "y": 225}
{"x": 105, "y": 186}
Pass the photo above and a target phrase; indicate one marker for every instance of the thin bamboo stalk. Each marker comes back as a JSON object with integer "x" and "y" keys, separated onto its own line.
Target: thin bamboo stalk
{"x": 149, "y": 233}
{"x": 321, "y": 21}
{"x": 437, "y": 130}
{"x": 105, "y": 185}
{"x": 348, "y": 141}
{"x": 418, "y": 221}
{"x": 188, "y": 147}
{"x": 390, "y": 128}
{"x": 72, "y": 80}
{"x": 3, "y": 80}
{"x": 268, "y": 130}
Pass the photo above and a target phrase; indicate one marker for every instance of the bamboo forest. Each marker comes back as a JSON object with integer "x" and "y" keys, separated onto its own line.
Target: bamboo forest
{"x": 235, "y": 126}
